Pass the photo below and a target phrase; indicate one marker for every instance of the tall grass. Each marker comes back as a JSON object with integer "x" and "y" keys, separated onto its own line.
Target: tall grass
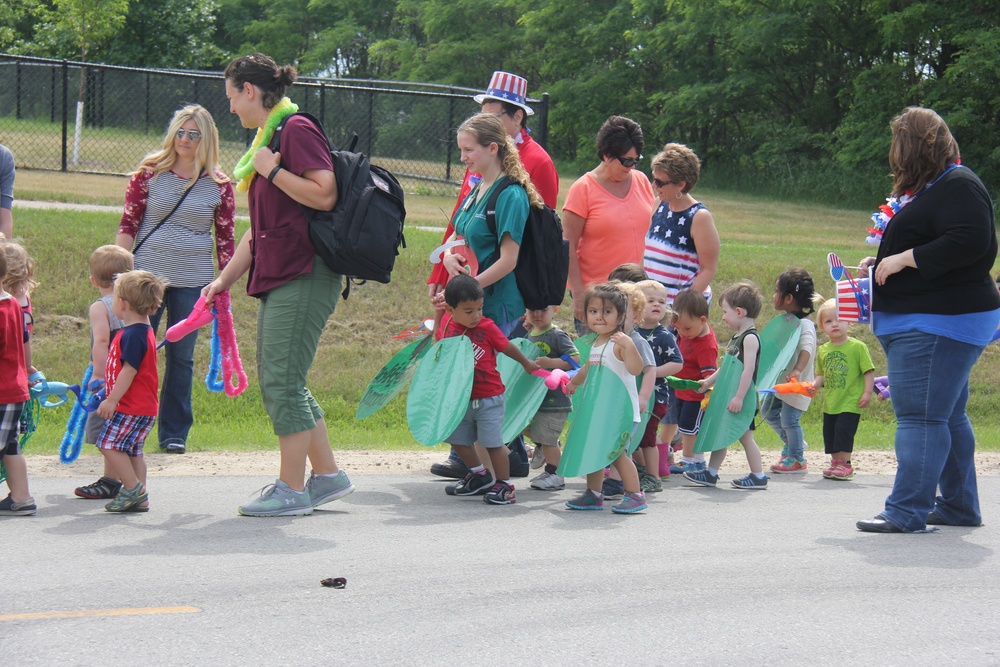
{"x": 760, "y": 238}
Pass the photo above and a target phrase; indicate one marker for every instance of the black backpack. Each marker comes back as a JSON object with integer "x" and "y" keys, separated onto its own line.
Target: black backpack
{"x": 361, "y": 236}
{"x": 542, "y": 267}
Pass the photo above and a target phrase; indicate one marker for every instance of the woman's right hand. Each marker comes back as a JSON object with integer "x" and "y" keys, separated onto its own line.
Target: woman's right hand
{"x": 865, "y": 266}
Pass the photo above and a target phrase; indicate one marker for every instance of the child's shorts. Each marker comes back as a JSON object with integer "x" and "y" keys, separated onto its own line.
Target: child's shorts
{"x": 10, "y": 421}
{"x": 689, "y": 415}
{"x": 125, "y": 433}
{"x": 653, "y": 425}
{"x": 673, "y": 410}
{"x": 546, "y": 427}
{"x": 94, "y": 426}
{"x": 482, "y": 423}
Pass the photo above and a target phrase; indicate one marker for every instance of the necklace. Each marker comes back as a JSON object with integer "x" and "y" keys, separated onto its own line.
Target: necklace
{"x": 244, "y": 170}
{"x": 893, "y": 205}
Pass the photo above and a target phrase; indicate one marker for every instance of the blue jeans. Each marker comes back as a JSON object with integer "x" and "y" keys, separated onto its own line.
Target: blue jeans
{"x": 935, "y": 445}
{"x": 175, "y": 416}
{"x": 784, "y": 419}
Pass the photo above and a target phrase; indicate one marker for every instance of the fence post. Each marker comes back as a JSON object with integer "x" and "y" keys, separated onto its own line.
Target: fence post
{"x": 448, "y": 142}
{"x": 65, "y": 102}
{"x": 17, "y": 89}
{"x": 371, "y": 119}
{"x": 52, "y": 95}
{"x": 147, "y": 103}
{"x": 543, "y": 122}
{"x": 322, "y": 102}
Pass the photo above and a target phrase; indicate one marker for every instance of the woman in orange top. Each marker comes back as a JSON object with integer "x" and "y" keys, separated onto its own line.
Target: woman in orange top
{"x": 606, "y": 214}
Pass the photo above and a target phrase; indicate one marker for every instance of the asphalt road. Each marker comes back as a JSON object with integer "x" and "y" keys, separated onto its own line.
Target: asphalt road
{"x": 703, "y": 577}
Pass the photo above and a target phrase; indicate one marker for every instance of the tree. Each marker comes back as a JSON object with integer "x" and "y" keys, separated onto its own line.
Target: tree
{"x": 87, "y": 23}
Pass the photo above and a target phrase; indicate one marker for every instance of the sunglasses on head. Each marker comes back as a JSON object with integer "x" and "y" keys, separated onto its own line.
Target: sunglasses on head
{"x": 629, "y": 162}
{"x": 193, "y": 135}
{"x": 658, "y": 183}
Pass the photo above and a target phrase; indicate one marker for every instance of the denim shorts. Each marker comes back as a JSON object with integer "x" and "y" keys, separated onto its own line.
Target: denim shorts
{"x": 482, "y": 423}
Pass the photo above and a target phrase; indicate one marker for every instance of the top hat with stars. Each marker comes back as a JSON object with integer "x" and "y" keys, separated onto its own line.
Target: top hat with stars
{"x": 507, "y": 87}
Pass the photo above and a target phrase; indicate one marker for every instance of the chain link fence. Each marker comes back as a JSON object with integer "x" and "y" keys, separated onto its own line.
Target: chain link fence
{"x": 407, "y": 128}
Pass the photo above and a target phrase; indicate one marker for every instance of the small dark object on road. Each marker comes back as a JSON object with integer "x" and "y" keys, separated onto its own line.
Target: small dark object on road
{"x": 335, "y": 582}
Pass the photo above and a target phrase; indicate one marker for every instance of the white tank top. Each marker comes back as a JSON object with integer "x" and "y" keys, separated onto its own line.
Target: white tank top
{"x": 605, "y": 355}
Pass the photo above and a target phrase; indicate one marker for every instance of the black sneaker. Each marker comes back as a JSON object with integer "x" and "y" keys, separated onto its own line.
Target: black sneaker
{"x": 452, "y": 469}
{"x": 518, "y": 468}
{"x": 103, "y": 489}
{"x": 473, "y": 484}
{"x": 11, "y": 508}
{"x": 174, "y": 448}
{"x": 502, "y": 493}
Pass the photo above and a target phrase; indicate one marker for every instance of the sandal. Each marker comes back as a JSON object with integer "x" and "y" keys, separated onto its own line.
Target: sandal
{"x": 103, "y": 489}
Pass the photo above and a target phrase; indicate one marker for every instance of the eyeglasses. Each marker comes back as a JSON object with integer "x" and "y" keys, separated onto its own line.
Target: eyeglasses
{"x": 629, "y": 162}
{"x": 658, "y": 183}
{"x": 193, "y": 135}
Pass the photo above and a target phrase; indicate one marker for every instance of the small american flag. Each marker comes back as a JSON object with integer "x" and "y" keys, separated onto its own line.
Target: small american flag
{"x": 854, "y": 300}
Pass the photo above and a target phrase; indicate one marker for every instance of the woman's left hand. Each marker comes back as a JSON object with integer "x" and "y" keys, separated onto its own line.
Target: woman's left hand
{"x": 265, "y": 160}
{"x": 893, "y": 264}
{"x": 454, "y": 264}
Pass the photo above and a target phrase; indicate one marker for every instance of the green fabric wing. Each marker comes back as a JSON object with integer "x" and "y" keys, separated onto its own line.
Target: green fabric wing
{"x": 603, "y": 426}
{"x": 720, "y": 427}
{"x": 525, "y": 392}
{"x": 395, "y": 375}
{"x": 778, "y": 341}
{"x": 440, "y": 391}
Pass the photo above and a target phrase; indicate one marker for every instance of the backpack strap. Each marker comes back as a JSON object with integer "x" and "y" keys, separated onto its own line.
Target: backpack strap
{"x": 275, "y": 144}
{"x": 491, "y": 207}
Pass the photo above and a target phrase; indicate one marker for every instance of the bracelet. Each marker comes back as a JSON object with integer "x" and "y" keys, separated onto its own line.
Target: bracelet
{"x": 274, "y": 172}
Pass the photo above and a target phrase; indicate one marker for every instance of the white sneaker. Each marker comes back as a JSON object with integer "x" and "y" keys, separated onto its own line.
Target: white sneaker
{"x": 548, "y": 481}
{"x": 537, "y": 458}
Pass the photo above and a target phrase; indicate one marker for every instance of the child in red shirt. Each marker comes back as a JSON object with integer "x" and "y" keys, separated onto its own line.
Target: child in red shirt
{"x": 700, "y": 350}
{"x": 132, "y": 386}
{"x": 483, "y": 421}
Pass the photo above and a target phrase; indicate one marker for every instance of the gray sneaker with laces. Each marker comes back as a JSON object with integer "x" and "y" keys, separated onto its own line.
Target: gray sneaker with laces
{"x": 631, "y": 503}
{"x": 324, "y": 489}
{"x": 548, "y": 481}
{"x": 278, "y": 499}
{"x": 537, "y": 458}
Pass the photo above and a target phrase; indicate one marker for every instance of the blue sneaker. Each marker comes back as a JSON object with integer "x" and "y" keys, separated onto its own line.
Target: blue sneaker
{"x": 588, "y": 501}
{"x": 751, "y": 482}
{"x": 681, "y": 468}
{"x": 701, "y": 477}
{"x": 631, "y": 503}
{"x": 324, "y": 489}
{"x": 613, "y": 488}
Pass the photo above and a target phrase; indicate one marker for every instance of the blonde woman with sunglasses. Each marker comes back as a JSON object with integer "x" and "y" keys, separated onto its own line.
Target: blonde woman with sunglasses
{"x": 175, "y": 200}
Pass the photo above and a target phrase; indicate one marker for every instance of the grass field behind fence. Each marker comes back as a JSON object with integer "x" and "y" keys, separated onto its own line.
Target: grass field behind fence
{"x": 760, "y": 238}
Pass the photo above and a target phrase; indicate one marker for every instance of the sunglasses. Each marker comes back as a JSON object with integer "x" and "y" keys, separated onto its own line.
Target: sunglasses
{"x": 629, "y": 162}
{"x": 658, "y": 183}
{"x": 193, "y": 135}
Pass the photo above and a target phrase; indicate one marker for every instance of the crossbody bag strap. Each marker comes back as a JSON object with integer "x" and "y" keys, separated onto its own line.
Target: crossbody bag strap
{"x": 135, "y": 248}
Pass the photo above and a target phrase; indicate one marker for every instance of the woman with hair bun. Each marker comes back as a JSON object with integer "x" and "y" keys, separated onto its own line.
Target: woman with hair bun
{"x": 296, "y": 291}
